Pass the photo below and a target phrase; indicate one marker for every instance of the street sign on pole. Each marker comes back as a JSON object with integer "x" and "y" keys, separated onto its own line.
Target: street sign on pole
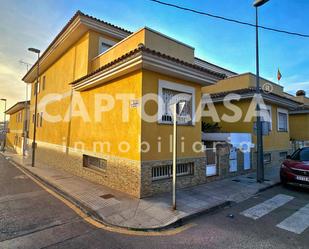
{"x": 174, "y": 153}
{"x": 265, "y": 128}
{"x": 177, "y": 109}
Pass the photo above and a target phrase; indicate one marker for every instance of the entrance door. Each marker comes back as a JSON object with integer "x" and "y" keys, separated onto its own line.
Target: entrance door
{"x": 233, "y": 159}
{"x": 247, "y": 160}
{"x": 211, "y": 162}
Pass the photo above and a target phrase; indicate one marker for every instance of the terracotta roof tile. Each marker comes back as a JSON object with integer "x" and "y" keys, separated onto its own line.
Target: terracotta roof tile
{"x": 247, "y": 91}
{"x": 101, "y": 21}
{"x": 78, "y": 13}
{"x": 153, "y": 52}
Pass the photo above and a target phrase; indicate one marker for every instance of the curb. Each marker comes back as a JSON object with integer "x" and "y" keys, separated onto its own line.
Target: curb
{"x": 93, "y": 214}
{"x": 269, "y": 187}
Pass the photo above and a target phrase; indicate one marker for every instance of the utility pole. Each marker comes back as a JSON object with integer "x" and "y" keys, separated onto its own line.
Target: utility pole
{"x": 174, "y": 153}
{"x": 175, "y": 107}
{"x": 37, "y": 51}
{"x": 259, "y": 134}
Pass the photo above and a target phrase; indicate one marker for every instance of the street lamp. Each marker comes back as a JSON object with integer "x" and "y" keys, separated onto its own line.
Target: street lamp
{"x": 258, "y": 3}
{"x": 4, "y": 125}
{"x": 259, "y": 134}
{"x": 26, "y": 112}
{"x": 37, "y": 51}
{"x": 177, "y": 108}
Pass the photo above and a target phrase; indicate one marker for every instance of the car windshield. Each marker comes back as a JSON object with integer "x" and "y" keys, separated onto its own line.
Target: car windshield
{"x": 301, "y": 155}
{"x": 304, "y": 155}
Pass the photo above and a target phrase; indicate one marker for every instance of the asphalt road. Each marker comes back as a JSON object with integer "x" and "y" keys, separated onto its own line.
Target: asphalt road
{"x": 32, "y": 218}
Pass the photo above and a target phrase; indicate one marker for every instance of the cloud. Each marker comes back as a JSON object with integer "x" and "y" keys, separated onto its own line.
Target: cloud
{"x": 297, "y": 86}
{"x": 8, "y": 71}
{"x": 22, "y": 25}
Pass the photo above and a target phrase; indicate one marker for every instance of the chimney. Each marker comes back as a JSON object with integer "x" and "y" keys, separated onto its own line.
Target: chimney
{"x": 300, "y": 93}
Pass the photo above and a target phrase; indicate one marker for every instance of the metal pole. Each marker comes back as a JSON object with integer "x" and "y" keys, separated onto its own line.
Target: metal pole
{"x": 260, "y": 154}
{"x": 4, "y": 126}
{"x": 35, "y": 113}
{"x": 26, "y": 119}
{"x": 174, "y": 153}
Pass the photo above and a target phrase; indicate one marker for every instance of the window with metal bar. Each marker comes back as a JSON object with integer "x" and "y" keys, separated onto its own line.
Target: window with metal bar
{"x": 166, "y": 171}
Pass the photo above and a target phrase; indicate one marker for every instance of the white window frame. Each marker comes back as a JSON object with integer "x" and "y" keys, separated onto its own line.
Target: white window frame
{"x": 38, "y": 87}
{"x": 107, "y": 42}
{"x": 164, "y": 84}
{"x": 284, "y": 111}
{"x": 269, "y": 108}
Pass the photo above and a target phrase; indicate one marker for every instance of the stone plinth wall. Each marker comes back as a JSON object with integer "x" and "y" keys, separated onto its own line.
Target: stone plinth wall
{"x": 135, "y": 177}
{"x": 223, "y": 163}
{"x": 151, "y": 187}
{"x": 276, "y": 159}
{"x": 120, "y": 173}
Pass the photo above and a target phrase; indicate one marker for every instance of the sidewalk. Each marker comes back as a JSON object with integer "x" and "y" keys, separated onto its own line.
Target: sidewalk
{"x": 118, "y": 209}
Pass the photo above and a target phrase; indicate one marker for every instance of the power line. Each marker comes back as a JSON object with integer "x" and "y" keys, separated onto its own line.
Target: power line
{"x": 229, "y": 19}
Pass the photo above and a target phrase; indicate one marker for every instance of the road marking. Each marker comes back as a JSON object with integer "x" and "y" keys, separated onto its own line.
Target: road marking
{"x": 297, "y": 222}
{"x": 99, "y": 225}
{"x": 266, "y": 207}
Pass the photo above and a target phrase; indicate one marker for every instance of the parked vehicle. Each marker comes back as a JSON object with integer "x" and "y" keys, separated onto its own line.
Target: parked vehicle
{"x": 295, "y": 169}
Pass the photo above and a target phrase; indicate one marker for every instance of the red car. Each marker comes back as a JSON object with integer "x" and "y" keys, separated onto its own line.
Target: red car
{"x": 295, "y": 169}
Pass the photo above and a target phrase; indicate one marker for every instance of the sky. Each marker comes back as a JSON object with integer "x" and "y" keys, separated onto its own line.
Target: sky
{"x": 34, "y": 23}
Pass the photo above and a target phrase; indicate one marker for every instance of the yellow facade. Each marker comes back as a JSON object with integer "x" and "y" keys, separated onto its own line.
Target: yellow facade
{"x": 299, "y": 120}
{"x": 15, "y": 136}
{"x": 73, "y": 65}
{"x": 282, "y": 138}
{"x": 83, "y": 58}
{"x": 149, "y": 38}
{"x": 155, "y": 133}
{"x": 299, "y": 127}
{"x": 74, "y": 127}
{"x": 70, "y": 66}
{"x": 112, "y": 128}
{"x": 246, "y": 80}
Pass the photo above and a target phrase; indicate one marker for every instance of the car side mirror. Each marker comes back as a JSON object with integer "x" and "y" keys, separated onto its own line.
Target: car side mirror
{"x": 288, "y": 157}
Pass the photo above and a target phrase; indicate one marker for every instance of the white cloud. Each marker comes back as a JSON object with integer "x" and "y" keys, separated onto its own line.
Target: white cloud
{"x": 22, "y": 25}
{"x": 297, "y": 86}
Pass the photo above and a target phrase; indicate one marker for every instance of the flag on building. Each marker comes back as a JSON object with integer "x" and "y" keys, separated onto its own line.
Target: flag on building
{"x": 279, "y": 75}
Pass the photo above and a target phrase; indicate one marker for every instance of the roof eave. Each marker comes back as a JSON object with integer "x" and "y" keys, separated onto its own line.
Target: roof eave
{"x": 144, "y": 60}
{"x": 268, "y": 97}
{"x": 17, "y": 107}
{"x": 74, "y": 23}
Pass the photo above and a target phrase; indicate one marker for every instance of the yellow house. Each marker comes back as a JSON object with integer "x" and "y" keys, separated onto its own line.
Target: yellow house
{"x": 103, "y": 106}
{"x": 235, "y": 102}
{"x": 16, "y": 138}
{"x": 299, "y": 120}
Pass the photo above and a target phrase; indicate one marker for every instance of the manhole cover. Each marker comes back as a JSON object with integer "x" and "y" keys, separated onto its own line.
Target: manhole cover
{"x": 107, "y": 196}
{"x": 236, "y": 180}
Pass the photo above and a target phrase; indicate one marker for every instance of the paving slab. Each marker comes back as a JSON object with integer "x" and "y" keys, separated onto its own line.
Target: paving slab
{"x": 148, "y": 213}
